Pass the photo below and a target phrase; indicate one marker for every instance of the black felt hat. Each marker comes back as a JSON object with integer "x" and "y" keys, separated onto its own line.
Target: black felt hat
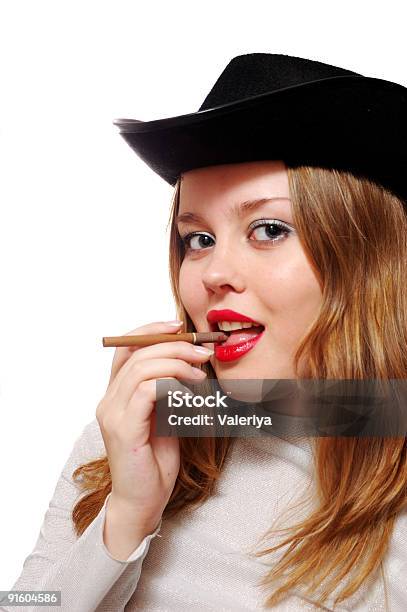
{"x": 269, "y": 106}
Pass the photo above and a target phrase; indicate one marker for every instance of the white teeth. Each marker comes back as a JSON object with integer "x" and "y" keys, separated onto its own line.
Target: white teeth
{"x": 231, "y": 325}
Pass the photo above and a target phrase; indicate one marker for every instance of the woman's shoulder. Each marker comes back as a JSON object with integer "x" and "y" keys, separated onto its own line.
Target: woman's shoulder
{"x": 94, "y": 435}
{"x": 91, "y": 439}
{"x": 87, "y": 446}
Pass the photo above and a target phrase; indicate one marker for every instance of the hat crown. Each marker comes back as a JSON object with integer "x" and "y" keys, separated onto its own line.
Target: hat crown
{"x": 254, "y": 74}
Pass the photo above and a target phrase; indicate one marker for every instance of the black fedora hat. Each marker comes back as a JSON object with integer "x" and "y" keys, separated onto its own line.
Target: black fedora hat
{"x": 274, "y": 106}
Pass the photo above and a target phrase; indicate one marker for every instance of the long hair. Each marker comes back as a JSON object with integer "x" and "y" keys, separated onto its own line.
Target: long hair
{"x": 354, "y": 233}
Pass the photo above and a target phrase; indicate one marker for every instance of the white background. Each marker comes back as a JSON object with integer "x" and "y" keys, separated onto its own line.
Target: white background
{"x": 83, "y": 219}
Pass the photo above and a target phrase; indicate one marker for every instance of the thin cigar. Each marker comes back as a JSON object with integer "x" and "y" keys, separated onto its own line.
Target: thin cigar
{"x": 147, "y": 340}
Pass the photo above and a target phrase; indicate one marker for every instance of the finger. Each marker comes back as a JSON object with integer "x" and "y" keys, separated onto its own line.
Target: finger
{"x": 144, "y": 399}
{"x": 180, "y": 349}
{"x": 123, "y": 353}
{"x": 154, "y": 368}
{"x": 140, "y": 409}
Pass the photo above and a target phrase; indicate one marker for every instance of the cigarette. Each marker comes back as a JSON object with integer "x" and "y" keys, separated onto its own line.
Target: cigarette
{"x": 147, "y": 340}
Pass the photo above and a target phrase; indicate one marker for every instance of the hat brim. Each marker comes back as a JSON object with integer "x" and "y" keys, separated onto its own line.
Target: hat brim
{"x": 352, "y": 122}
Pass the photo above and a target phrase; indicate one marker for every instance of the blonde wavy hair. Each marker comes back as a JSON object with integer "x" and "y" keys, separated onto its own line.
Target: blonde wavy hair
{"x": 358, "y": 246}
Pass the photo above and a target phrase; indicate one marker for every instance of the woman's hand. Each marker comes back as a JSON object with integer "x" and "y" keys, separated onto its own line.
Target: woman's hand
{"x": 143, "y": 467}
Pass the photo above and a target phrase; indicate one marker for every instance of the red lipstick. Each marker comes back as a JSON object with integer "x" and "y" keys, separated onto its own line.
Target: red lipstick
{"x": 230, "y": 352}
{"x": 214, "y": 316}
{"x": 235, "y": 351}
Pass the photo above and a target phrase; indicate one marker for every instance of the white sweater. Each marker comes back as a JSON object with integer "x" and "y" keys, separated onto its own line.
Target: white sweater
{"x": 199, "y": 560}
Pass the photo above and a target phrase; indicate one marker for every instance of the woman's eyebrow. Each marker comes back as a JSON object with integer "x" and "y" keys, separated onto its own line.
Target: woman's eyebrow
{"x": 240, "y": 210}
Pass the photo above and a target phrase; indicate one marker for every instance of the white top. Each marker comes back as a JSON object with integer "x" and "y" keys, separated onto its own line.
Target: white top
{"x": 198, "y": 560}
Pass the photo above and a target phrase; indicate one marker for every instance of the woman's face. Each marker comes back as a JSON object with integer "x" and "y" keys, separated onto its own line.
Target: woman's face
{"x": 260, "y": 272}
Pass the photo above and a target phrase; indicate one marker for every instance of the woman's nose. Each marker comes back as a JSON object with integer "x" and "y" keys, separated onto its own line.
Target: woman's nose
{"x": 223, "y": 270}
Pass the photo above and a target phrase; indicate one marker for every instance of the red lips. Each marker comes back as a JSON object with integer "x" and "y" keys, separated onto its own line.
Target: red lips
{"x": 214, "y": 316}
{"x": 235, "y": 351}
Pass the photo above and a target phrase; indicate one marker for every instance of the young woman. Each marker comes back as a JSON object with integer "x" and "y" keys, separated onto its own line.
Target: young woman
{"x": 316, "y": 252}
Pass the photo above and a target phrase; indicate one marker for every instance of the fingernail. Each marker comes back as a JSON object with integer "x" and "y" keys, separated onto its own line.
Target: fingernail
{"x": 176, "y": 323}
{"x": 203, "y": 350}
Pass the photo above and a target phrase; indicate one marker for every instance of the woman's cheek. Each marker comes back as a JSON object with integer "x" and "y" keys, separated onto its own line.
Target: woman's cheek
{"x": 188, "y": 285}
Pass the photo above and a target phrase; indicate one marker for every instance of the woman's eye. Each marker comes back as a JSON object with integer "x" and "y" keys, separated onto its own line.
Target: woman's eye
{"x": 193, "y": 241}
{"x": 271, "y": 231}
{"x": 268, "y": 232}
